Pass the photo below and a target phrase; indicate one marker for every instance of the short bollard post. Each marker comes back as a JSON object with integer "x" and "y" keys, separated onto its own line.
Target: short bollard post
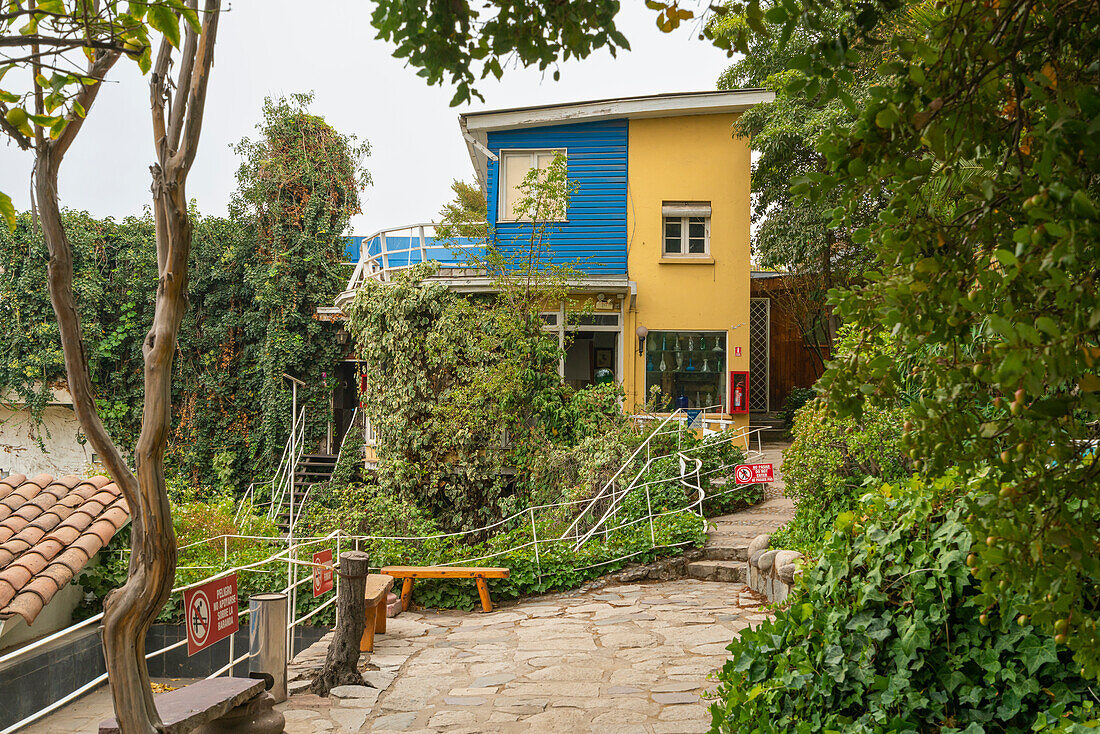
{"x": 267, "y": 640}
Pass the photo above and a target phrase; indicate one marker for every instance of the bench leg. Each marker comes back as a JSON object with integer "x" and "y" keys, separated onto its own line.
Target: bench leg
{"x": 406, "y": 593}
{"x": 366, "y": 642}
{"x": 380, "y": 616}
{"x": 483, "y": 592}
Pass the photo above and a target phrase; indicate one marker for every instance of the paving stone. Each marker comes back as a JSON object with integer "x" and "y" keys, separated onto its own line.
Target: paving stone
{"x": 378, "y": 679}
{"x": 623, "y": 690}
{"x": 394, "y": 722}
{"x": 351, "y": 719}
{"x": 497, "y": 679}
{"x": 352, "y": 692}
{"x": 463, "y": 700}
{"x": 674, "y": 686}
{"x": 452, "y": 718}
{"x": 676, "y": 698}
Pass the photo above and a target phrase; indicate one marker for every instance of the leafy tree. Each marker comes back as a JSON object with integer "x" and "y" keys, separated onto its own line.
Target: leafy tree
{"x": 65, "y": 49}
{"x": 983, "y": 133}
{"x": 176, "y": 107}
{"x": 466, "y": 214}
{"x": 299, "y": 184}
{"x": 800, "y": 238}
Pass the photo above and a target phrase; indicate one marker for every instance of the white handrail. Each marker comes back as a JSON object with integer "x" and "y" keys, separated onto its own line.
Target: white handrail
{"x": 378, "y": 266}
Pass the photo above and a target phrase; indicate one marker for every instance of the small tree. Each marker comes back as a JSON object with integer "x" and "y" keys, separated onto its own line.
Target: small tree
{"x": 177, "y": 106}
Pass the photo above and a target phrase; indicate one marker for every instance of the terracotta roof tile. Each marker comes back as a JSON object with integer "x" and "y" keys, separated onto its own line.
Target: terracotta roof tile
{"x": 48, "y": 530}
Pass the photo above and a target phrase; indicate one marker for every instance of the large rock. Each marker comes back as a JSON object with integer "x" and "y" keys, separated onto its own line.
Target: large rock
{"x": 759, "y": 543}
{"x": 766, "y": 559}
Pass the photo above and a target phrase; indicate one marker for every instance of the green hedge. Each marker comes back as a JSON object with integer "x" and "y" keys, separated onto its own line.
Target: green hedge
{"x": 885, "y": 634}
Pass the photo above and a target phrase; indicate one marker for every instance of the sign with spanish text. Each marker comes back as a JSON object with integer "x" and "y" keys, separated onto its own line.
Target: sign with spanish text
{"x": 322, "y": 572}
{"x": 753, "y": 473}
{"x": 210, "y": 612}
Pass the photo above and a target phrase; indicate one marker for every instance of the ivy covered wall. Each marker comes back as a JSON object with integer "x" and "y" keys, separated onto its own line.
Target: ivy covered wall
{"x": 257, "y": 277}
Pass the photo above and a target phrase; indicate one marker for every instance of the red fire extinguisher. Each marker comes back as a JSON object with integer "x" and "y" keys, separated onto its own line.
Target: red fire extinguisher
{"x": 738, "y": 393}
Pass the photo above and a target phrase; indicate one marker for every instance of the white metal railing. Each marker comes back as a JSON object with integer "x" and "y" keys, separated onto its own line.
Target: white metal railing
{"x": 615, "y": 499}
{"x": 294, "y": 550}
{"x": 399, "y": 248}
{"x": 283, "y": 479}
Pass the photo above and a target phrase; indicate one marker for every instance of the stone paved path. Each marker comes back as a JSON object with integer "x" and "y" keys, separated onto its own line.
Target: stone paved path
{"x": 622, "y": 658}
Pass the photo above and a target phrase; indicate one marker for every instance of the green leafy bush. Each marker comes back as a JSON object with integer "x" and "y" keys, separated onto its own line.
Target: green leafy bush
{"x": 886, "y": 633}
{"x": 795, "y": 399}
{"x": 833, "y": 459}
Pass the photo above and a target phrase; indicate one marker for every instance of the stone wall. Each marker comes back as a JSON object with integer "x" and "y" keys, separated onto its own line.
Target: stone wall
{"x": 772, "y": 572}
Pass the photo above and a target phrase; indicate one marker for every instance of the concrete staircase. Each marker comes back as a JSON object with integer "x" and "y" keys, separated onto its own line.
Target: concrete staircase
{"x": 775, "y": 430}
{"x": 725, "y": 555}
{"x": 311, "y": 469}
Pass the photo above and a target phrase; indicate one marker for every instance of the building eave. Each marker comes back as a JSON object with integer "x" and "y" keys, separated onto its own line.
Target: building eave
{"x": 475, "y": 126}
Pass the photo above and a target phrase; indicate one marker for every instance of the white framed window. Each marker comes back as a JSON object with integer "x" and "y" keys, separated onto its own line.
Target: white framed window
{"x": 686, "y": 230}
{"x": 514, "y": 166}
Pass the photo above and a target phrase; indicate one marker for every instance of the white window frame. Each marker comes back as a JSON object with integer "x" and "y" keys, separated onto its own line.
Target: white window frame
{"x": 684, "y": 212}
{"x": 503, "y": 185}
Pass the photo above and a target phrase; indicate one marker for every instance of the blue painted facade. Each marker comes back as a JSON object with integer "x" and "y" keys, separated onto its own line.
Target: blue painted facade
{"x": 593, "y": 239}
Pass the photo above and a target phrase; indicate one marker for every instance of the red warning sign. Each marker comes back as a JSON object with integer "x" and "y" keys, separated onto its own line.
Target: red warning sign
{"x": 322, "y": 572}
{"x": 210, "y": 612}
{"x": 753, "y": 473}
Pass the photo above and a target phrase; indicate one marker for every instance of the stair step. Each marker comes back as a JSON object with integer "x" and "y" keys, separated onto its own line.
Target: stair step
{"x": 728, "y": 571}
{"x": 319, "y": 458}
{"x": 726, "y": 551}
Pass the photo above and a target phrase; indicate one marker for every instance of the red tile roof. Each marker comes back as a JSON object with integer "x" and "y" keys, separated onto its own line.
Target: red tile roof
{"x": 49, "y": 528}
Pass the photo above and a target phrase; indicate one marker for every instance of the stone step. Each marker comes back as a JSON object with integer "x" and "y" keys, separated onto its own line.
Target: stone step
{"x": 729, "y": 571}
{"x": 723, "y": 549}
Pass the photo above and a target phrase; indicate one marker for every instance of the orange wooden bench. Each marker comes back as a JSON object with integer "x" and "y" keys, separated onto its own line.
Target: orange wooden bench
{"x": 411, "y": 573}
{"x": 377, "y": 588}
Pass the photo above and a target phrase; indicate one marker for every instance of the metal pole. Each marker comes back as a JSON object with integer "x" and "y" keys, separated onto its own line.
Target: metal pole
{"x": 267, "y": 634}
{"x": 535, "y": 540}
{"x": 649, "y": 505}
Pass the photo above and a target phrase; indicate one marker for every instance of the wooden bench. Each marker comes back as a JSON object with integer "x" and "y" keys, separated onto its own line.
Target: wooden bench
{"x": 410, "y": 573}
{"x": 215, "y": 705}
{"x": 377, "y": 588}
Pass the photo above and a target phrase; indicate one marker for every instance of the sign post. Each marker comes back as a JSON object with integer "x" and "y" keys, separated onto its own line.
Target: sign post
{"x": 753, "y": 473}
{"x": 322, "y": 572}
{"x": 210, "y": 612}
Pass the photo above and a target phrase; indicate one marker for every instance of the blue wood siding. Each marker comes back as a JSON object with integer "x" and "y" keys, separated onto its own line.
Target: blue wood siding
{"x": 593, "y": 239}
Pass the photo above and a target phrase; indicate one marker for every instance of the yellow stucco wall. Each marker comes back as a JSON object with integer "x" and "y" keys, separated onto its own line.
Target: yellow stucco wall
{"x": 689, "y": 158}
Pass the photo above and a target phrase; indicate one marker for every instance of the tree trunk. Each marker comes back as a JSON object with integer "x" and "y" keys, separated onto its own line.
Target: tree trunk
{"x": 342, "y": 661}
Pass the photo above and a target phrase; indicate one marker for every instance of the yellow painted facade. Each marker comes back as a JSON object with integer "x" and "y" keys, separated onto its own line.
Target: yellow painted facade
{"x": 687, "y": 158}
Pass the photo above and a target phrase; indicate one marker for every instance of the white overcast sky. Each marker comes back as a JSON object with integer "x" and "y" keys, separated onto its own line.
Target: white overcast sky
{"x": 271, "y": 47}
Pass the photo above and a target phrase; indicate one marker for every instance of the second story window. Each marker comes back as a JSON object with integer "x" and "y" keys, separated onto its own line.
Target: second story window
{"x": 515, "y": 165}
{"x": 686, "y": 229}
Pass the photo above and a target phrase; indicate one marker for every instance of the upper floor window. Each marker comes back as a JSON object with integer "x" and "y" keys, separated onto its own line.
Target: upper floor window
{"x": 686, "y": 229}
{"x": 518, "y": 203}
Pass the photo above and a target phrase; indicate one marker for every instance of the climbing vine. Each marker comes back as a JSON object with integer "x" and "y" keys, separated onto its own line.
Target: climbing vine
{"x": 257, "y": 278}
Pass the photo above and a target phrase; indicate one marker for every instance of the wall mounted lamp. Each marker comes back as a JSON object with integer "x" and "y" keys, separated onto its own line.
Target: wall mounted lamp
{"x": 642, "y": 333}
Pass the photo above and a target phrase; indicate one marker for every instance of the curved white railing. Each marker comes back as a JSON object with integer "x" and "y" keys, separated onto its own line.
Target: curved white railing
{"x": 399, "y": 248}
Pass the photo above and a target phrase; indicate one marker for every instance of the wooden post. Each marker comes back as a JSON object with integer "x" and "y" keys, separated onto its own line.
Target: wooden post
{"x": 342, "y": 662}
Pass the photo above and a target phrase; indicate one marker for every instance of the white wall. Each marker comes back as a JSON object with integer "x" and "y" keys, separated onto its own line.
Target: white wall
{"x": 19, "y": 449}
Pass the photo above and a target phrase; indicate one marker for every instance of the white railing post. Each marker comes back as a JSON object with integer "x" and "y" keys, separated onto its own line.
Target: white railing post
{"x": 423, "y": 250}
{"x": 385, "y": 256}
{"x": 535, "y": 542}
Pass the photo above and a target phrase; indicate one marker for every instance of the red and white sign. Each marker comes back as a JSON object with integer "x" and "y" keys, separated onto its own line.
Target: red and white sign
{"x": 210, "y": 612}
{"x": 322, "y": 572}
{"x": 737, "y": 351}
{"x": 753, "y": 473}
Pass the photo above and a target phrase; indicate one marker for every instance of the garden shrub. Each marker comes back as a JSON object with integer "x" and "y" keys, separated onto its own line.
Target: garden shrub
{"x": 828, "y": 465}
{"x": 833, "y": 459}
{"x": 795, "y": 399}
{"x": 886, "y": 633}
